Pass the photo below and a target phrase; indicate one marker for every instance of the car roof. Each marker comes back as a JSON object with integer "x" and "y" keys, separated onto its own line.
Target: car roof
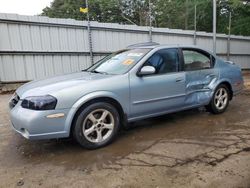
{"x": 154, "y": 45}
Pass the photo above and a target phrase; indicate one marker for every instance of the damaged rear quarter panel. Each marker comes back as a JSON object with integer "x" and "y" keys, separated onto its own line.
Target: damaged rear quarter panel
{"x": 230, "y": 73}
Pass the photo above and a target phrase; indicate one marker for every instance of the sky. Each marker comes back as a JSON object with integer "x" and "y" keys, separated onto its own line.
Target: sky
{"x": 23, "y": 7}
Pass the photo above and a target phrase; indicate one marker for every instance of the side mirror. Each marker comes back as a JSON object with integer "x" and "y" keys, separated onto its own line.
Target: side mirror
{"x": 146, "y": 70}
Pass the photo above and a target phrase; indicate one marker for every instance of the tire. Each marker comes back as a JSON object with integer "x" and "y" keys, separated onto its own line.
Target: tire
{"x": 220, "y": 100}
{"x": 97, "y": 125}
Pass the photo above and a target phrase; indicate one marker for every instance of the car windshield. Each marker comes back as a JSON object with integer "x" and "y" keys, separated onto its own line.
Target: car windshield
{"x": 119, "y": 62}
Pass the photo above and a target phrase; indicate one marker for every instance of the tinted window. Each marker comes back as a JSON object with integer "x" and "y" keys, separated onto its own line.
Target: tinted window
{"x": 164, "y": 61}
{"x": 194, "y": 60}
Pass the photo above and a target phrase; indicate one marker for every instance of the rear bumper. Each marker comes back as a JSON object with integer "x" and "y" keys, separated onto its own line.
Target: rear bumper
{"x": 35, "y": 125}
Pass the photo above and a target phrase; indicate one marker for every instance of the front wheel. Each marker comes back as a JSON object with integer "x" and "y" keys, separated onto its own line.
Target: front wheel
{"x": 97, "y": 125}
{"x": 220, "y": 100}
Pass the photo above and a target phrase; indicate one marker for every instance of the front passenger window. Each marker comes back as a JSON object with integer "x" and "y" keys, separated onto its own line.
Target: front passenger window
{"x": 194, "y": 60}
{"x": 164, "y": 61}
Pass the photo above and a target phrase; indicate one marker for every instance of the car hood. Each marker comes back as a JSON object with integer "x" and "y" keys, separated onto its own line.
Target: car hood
{"x": 50, "y": 85}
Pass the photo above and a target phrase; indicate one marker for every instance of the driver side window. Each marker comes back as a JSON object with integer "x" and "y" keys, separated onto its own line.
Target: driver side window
{"x": 164, "y": 61}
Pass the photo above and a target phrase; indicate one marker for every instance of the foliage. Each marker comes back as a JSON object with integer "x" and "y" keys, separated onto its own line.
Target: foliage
{"x": 176, "y": 14}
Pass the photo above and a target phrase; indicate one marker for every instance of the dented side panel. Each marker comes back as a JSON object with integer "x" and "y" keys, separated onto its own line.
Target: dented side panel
{"x": 200, "y": 86}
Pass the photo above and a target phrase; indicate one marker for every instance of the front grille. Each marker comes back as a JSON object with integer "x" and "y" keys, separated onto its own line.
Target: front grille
{"x": 14, "y": 100}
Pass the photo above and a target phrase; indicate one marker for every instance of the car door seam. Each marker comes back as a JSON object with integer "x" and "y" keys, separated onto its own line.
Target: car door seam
{"x": 157, "y": 99}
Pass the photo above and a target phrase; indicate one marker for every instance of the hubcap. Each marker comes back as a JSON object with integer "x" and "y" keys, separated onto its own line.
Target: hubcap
{"x": 98, "y": 125}
{"x": 221, "y": 98}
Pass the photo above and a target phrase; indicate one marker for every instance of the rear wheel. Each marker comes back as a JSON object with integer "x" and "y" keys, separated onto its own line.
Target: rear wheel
{"x": 220, "y": 100}
{"x": 97, "y": 125}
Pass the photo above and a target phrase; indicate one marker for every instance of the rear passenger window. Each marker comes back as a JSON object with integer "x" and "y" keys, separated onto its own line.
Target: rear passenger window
{"x": 164, "y": 61}
{"x": 194, "y": 60}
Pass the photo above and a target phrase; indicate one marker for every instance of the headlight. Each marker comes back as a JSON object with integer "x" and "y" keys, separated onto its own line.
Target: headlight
{"x": 47, "y": 102}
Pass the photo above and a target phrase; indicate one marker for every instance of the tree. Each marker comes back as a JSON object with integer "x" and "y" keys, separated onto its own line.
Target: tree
{"x": 176, "y": 14}
{"x": 240, "y": 17}
{"x": 136, "y": 10}
{"x": 101, "y": 10}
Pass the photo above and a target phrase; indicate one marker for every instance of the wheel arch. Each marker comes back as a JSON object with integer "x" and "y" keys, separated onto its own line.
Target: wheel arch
{"x": 229, "y": 86}
{"x": 90, "y": 99}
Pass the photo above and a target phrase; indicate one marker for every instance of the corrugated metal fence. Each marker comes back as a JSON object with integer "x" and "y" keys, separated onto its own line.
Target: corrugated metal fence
{"x": 33, "y": 47}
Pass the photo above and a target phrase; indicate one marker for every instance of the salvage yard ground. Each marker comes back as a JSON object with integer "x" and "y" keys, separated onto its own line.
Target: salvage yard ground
{"x": 186, "y": 149}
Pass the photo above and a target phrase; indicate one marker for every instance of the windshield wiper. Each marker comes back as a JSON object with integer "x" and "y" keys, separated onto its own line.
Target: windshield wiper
{"x": 95, "y": 71}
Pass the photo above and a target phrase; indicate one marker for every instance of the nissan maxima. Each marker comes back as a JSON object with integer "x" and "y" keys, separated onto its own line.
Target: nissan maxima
{"x": 142, "y": 81}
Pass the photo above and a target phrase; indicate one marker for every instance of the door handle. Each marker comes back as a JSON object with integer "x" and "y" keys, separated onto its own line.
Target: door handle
{"x": 179, "y": 79}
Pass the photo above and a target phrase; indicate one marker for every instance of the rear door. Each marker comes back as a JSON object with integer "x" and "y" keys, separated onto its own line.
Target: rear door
{"x": 198, "y": 66}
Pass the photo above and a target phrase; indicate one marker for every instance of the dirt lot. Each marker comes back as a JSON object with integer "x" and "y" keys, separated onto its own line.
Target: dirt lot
{"x": 186, "y": 149}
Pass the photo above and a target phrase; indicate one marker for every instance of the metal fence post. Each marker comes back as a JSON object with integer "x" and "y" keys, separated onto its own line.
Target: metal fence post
{"x": 214, "y": 26}
{"x": 150, "y": 21}
{"x": 90, "y": 36}
{"x": 229, "y": 36}
{"x": 0, "y": 84}
{"x": 195, "y": 24}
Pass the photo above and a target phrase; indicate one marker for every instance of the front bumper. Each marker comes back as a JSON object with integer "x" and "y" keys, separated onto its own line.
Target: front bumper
{"x": 35, "y": 125}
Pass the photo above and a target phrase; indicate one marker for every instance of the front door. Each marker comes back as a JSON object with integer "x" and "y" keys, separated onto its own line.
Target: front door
{"x": 160, "y": 92}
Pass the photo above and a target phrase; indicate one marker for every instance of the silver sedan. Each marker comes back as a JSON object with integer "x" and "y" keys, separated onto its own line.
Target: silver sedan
{"x": 142, "y": 81}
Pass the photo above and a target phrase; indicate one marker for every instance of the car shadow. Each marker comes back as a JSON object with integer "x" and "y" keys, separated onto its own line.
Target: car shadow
{"x": 140, "y": 135}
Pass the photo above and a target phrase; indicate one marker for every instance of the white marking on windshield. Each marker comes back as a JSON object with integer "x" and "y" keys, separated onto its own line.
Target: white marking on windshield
{"x": 135, "y": 54}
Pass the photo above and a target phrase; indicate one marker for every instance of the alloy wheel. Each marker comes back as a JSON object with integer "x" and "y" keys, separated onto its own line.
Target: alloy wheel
{"x": 221, "y": 98}
{"x": 98, "y": 125}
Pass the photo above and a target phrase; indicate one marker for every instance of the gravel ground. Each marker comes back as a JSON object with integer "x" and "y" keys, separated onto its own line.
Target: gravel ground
{"x": 186, "y": 149}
